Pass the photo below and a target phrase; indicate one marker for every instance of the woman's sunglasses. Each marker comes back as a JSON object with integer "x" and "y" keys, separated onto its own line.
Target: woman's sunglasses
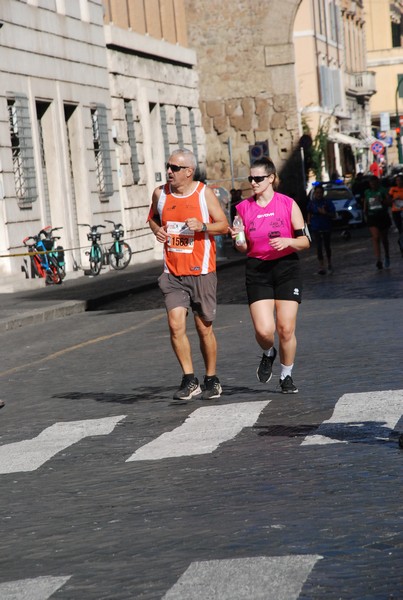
{"x": 257, "y": 178}
{"x": 175, "y": 168}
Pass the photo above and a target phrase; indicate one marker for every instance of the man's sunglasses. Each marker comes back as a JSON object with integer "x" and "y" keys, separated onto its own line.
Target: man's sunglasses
{"x": 257, "y": 178}
{"x": 175, "y": 168}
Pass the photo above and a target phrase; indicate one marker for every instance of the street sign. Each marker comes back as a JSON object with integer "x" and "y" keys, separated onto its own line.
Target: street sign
{"x": 377, "y": 147}
{"x": 385, "y": 121}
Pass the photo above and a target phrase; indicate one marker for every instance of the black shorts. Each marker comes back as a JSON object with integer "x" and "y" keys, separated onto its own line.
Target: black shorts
{"x": 274, "y": 279}
{"x": 381, "y": 221}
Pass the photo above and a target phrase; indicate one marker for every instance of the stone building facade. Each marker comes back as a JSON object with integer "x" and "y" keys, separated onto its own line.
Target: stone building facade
{"x": 333, "y": 82}
{"x": 54, "y": 94}
{"x": 384, "y": 32}
{"x": 155, "y": 103}
{"x": 94, "y": 95}
{"x": 248, "y": 100}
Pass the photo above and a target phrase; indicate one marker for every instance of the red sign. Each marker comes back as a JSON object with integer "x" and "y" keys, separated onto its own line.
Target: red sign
{"x": 377, "y": 148}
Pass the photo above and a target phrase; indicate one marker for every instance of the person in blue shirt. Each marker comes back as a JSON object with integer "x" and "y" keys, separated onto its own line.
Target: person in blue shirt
{"x": 320, "y": 214}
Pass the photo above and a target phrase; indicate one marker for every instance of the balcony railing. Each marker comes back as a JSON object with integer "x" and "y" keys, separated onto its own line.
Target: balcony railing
{"x": 361, "y": 84}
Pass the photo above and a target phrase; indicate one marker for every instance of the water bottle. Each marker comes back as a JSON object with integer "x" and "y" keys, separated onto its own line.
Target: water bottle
{"x": 239, "y": 228}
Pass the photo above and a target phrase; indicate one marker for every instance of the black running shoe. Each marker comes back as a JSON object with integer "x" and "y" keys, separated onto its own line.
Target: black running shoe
{"x": 264, "y": 370}
{"x": 189, "y": 387}
{"x": 287, "y": 385}
{"x": 212, "y": 388}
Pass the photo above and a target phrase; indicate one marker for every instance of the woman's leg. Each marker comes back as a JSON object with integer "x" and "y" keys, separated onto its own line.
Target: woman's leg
{"x": 328, "y": 249}
{"x": 397, "y": 219}
{"x": 384, "y": 235}
{"x": 262, "y": 313}
{"x": 319, "y": 248}
{"x": 376, "y": 242}
{"x": 286, "y": 316}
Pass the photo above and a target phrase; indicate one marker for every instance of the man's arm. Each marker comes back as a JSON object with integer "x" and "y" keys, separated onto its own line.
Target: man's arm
{"x": 219, "y": 226}
{"x": 154, "y": 218}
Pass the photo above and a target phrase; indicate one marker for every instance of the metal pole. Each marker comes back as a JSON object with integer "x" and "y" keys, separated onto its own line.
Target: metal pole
{"x": 399, "y": 145}
{"x": 231, "y": 164}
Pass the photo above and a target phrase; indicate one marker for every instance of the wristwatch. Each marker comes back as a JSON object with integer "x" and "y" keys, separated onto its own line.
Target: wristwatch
{"x": 204, "y": 227}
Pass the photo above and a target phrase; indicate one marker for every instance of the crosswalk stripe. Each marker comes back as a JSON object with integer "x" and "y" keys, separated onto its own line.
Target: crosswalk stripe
{"x": 39, "y": 588}
{"x": 260, "y": 578}
{"x": 203, "y": 431}
{"x": 28, "y": 455}
{"x": 359, "y": 417}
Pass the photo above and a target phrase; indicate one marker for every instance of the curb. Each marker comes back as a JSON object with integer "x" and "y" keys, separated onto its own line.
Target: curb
{"x": 72, "y": 307}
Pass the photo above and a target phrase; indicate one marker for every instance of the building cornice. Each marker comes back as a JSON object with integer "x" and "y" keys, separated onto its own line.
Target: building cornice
{"x": 145, "y": 44}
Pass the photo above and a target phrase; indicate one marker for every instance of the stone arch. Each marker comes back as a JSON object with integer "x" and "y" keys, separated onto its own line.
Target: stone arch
{"x": 245, "y": 55}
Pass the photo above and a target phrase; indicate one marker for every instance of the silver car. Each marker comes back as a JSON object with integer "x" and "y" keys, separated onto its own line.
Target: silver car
{"x": 348, "y": 211}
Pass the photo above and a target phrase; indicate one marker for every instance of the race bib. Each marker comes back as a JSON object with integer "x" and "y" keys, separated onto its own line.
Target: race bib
{"x": 181, "y": 238}
{"x": 398, "y": 203}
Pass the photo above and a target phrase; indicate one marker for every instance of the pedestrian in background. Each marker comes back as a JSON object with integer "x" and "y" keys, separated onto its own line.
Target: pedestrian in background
{"x": 378, "y": 220}
{"x": 236, "y": 198}
{"x": 185, "y": 216}
{"x": 275, "y": 231}
{"x": 320, "y": 215}
{"x": 396, "y": 197}
{"x": 375, "y": 168}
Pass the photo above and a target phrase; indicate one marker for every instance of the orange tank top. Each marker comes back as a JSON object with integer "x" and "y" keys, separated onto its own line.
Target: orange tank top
{"x": 186, "y": 252}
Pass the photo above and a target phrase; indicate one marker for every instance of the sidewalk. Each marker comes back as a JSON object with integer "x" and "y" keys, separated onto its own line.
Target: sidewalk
{"x": 37, "y": 305}
{"x": 355, "y": 276}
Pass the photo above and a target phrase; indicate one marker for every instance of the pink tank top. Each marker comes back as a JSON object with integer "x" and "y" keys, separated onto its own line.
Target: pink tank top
{"x": 263, "y": 223}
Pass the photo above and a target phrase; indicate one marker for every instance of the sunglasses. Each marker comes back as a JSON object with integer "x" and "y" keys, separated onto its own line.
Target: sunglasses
{"x": 257, "y": 178}
{"x": 175, "y": 168}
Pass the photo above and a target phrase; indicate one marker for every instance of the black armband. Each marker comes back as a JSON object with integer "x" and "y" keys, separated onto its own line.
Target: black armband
{"x": 304, "y": 231}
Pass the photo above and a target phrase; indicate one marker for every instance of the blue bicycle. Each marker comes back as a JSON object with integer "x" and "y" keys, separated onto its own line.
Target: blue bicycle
{"x": 95, "y": 253}
{"x": 44, "y": 259}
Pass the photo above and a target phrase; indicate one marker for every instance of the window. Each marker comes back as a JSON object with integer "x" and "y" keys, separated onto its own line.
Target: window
{"x": 164, "y": 128}
{"x": 102, "y": 151}
{"x": 193, "y": 133}
{"x": 178, "y": 125}
{"x": 396, "y": 34}
{"x": 131, "y": 136}
{"x": 330, "y": 88}
{"x": 22, "y": 151}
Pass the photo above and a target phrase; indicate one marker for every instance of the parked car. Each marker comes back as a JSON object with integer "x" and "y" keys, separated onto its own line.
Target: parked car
{"x": 348, "y": 210}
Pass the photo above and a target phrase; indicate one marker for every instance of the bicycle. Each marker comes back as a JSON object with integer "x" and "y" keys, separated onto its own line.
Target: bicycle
{"x": 49, "y": 243}
{"x": 95, "y": 253}
{"x": 119, "y": 253}
{"x": 44, "y": 263}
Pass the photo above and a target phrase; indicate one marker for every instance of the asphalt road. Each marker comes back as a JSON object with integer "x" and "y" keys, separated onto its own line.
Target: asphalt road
{"x": 111, "y": 490}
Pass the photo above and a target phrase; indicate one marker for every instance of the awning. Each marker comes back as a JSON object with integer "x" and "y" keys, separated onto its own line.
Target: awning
{"x": 347, "y": 140}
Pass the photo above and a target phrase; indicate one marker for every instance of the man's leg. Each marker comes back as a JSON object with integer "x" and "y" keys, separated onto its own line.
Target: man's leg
{"x": 208, "y": 344}
{"x": 179, "y": 339}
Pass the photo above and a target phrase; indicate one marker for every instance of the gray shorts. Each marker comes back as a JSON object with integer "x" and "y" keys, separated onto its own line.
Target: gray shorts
{"x": 198, "y": 292}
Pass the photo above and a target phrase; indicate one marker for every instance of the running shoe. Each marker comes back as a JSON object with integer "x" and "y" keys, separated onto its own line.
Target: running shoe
{"x": 264, "y": 370}
{"x": 212, "y": 388}
{"x": 379, "y": 265}
{"x": 287, "y": 385}
{"x": 386, "y": 262}
{"x": 322, "y": 272}
{"x": 189, "y": 387}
